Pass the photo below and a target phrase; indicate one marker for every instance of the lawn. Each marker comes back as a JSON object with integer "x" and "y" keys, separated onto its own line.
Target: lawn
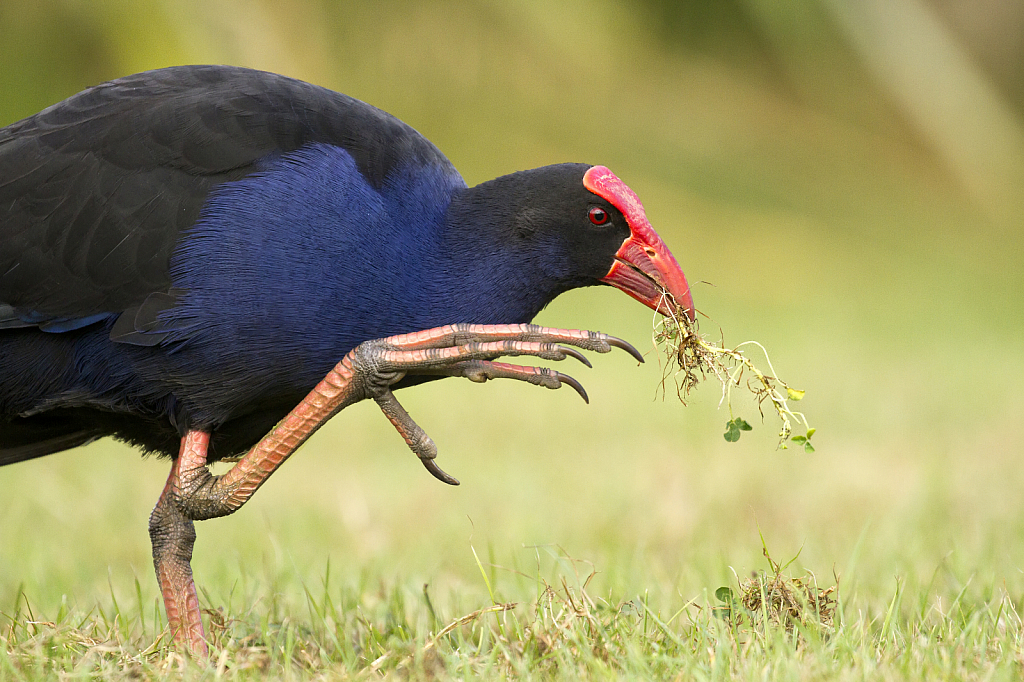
{"x": 591, "y": 541}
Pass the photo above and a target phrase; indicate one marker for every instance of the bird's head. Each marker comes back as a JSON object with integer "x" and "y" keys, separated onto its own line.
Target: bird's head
{"x": 643, "y": 266}
{"x": 579, "y": 225}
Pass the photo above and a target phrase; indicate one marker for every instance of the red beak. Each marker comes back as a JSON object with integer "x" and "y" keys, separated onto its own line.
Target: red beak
{"x": 644, "y": 267}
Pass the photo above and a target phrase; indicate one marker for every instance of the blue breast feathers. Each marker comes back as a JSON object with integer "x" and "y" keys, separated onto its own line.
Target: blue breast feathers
{"x": 305, "y": 260}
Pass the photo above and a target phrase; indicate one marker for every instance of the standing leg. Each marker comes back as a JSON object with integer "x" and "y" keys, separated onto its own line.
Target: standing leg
{"x": 173, "y": 535}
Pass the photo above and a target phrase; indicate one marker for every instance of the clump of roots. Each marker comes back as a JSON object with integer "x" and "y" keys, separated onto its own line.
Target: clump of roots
{"x": 781, "y": 600}
{"x": 773, "y": 599}
{"x": 691, "y": 358}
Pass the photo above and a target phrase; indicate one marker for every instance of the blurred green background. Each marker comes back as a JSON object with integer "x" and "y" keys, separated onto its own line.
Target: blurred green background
{"x": 841, "y": 180}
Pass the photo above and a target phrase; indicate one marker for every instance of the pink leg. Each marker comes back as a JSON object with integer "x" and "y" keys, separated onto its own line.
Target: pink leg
{"x": 173, "y": 535}
{"x": 192, "y": 493}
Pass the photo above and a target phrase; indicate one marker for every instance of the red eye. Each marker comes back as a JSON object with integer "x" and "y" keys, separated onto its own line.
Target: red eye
{"x": 598, "y": 216}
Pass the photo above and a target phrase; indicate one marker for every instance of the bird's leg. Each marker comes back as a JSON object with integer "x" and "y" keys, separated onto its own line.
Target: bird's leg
{"x": 192, "y": 493}
{"x": 173, "y": 534}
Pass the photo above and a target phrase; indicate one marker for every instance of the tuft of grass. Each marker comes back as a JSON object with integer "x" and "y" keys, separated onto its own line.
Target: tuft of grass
{"x": 773, "y": 599}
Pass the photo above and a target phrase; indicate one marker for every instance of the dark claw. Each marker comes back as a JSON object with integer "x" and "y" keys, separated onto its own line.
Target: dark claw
{"x": 437, "y": 473}
{"x": 572, "y": 352}
{"x": 626, "y": 346}
{"x": 566, "y": 379}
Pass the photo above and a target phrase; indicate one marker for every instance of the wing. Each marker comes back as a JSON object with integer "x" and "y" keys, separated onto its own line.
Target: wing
{"x": 96, "y": 191}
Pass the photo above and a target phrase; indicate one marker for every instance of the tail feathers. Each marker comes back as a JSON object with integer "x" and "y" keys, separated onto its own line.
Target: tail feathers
{"x": 24, "y": 439}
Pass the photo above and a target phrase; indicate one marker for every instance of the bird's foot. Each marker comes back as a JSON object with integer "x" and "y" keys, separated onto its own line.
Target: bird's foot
{"x": 468, "y": 351}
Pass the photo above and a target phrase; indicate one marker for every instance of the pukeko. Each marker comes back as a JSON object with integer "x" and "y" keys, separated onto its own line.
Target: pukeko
{"x": 186, "y": 253}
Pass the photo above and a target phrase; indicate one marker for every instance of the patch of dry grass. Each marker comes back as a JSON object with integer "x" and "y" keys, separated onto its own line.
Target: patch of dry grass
{"x": 773, "y": 599}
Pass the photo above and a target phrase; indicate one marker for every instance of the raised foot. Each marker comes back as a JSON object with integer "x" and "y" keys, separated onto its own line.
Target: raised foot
{"x": 468, "y": 351}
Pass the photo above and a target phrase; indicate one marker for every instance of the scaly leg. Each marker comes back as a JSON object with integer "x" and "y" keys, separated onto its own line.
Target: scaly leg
{"x": 172, "y": 535}
{"x": 192, "y": 493}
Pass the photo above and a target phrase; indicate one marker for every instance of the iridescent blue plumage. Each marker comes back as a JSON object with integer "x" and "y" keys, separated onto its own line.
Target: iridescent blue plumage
{"x": 196, "y": 247}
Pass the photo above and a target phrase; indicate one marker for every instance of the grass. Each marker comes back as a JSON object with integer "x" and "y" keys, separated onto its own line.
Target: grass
{"x": 559, "y": 630}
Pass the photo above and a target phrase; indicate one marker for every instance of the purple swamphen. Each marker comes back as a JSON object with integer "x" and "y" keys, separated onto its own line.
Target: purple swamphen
{"x": 185, "y": 253}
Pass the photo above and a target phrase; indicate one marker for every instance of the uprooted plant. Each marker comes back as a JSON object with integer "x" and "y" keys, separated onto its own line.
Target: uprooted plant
{"x": 691, "y": 358}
